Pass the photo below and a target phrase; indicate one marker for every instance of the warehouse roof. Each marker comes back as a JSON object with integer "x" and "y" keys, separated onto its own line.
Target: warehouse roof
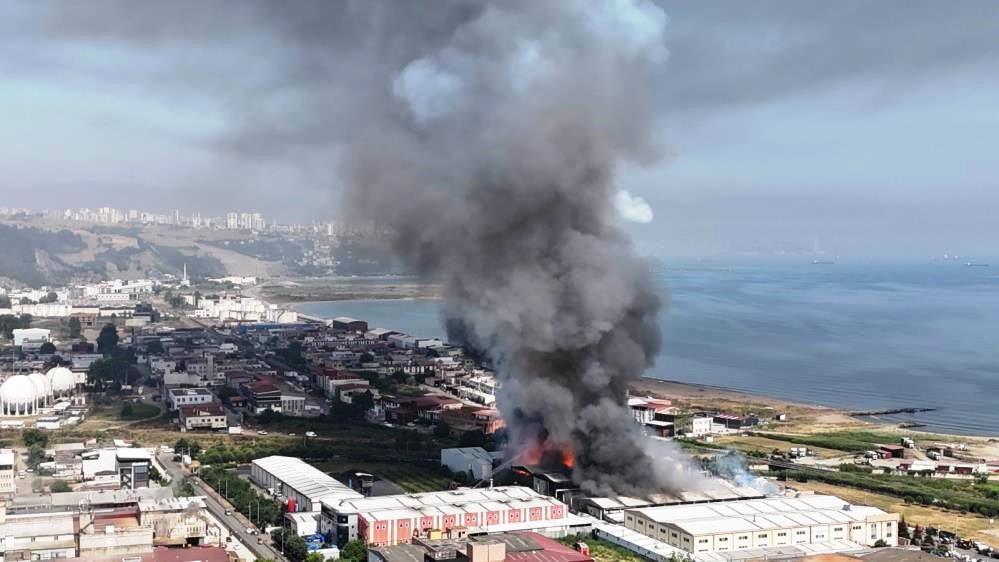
{"x": 752, "y": 515}
{"x": 508, "y": 496}
{"x": 304, "y": 478}
{"x": 712, "y": 489}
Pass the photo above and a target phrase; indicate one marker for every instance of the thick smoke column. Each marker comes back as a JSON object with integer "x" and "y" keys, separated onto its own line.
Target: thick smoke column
{"x": 492, "y": 152}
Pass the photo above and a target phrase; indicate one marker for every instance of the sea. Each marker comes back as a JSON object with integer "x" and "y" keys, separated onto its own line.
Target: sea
{"x": 856, "y": 336}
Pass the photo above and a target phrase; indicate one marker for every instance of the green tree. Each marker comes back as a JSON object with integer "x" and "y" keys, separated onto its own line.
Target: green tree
{"x": 35, "y": 437}
{"x": 59, "y": 486}
{"x": 49, "y": 297}
{"x": 47, "y": 348}
{"x": 185, "y": 489}
{"x": 74, "y": 327}
{"x": 354, "y": 551}
{"x": 107, "y": 341}
{"x": 294, "y": 546}
{"x": 314, "y": 557}
{"x": 364, "y": 401}
{"x": 36, "y": 456}
{"x": 472, "y": 438}
{"x": 4, "y": 301}
{"x": 155, "y": 346}
{"x": 442, "y": 430}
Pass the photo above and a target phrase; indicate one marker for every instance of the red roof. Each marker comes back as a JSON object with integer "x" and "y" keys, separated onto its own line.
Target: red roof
{"x": 263, "y": 387}
{"x": 551, "y": 551}
{"x": 210, "y": 409}
{"x": 164, "y": 554}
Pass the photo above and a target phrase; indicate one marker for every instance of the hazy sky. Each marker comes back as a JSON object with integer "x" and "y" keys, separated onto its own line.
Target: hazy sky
{"x": 869, "y": 127}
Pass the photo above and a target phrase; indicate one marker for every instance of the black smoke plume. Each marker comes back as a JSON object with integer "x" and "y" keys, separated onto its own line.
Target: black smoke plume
{"x": 492, "y": 152}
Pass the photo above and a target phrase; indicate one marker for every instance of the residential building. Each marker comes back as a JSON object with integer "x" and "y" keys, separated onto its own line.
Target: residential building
{"x": 8, "y": 486}
{"x": 202, "y": 416}
{"x": 177, "y": 397}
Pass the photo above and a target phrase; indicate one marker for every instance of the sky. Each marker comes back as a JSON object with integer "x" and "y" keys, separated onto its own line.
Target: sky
{"x": 862, "y": 129}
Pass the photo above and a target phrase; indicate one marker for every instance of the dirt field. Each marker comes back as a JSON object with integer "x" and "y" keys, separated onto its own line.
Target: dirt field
{"x": 969, "y": 526}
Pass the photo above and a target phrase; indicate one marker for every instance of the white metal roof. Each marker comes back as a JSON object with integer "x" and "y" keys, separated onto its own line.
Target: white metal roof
{"x": 305, "y": 479}
{"x": 753, "y": 515}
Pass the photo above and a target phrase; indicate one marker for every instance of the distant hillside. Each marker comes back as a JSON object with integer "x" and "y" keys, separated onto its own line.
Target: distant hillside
{"x": 30, "y": 255}
{"x": 35, "y": 255}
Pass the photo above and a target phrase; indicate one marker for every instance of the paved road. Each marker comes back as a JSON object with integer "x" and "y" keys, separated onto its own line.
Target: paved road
{"x": 236, "y": 523}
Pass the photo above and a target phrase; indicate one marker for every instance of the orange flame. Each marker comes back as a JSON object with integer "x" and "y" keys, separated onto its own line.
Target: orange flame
{"x": 537, "y": 452}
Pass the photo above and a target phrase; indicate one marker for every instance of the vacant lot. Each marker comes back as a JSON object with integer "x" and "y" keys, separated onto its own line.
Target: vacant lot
{"x": 964, "y": 524}
{"x": 768, "y": 443}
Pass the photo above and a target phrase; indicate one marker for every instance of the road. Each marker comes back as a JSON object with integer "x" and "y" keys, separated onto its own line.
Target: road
{"x": 236, "y": 523}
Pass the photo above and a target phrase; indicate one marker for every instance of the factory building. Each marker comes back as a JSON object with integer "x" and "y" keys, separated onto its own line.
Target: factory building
{"x": 711, "y": 490}
{"x": 97, "y": 525}
{"x": 391, "y": 520}
{"x": 764, "y": 523}
{"x": 347, "y": 324}
{"x": 476, "y": 462}
{"x": 300, "y": 483}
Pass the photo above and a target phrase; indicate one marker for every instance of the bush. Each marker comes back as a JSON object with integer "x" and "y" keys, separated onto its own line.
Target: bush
{"x": 59, "y": 486}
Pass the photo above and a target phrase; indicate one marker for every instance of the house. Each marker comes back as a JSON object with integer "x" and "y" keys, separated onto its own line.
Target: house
{"x": 202, "y": 416}
{"x": 470, "y": 418}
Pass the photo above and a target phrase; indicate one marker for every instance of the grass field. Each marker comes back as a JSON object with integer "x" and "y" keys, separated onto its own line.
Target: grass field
{"x": 849, "y": 441}
{"x": 132, "y": 412}
{"x": 411, "y": 478}
{"x": 768, "y": 443}
{"x": 964, "y": 524}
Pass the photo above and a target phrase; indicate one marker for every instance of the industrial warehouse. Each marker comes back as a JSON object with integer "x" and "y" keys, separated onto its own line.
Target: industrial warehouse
{"x": 764, "y": 523}
{"x": 391, "y": 520}
{"x": 300, "y": 483}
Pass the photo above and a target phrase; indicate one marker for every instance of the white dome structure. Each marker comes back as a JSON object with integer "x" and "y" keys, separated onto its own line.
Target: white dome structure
{"x": 18, "y": 397}
{"x": 43, "y": 388}
{"x": 61, "y": 380}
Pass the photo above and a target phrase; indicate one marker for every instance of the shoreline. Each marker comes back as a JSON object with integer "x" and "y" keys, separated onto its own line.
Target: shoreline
{"x": 826, "y": 418}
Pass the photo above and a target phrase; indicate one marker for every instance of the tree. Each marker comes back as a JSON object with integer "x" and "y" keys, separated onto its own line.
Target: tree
{"x": 472, "y": 438}
{"x": 107, "y": 341}
{"x": 364, "y": 401}
{"x": 36, "y": 456}
{"x": 4, "y": 301}
{"x": 59, "y": 486}
{"x": 442, "y": 430}
{"x": 74, "y": 327}
{"x": 49, "y": 297}
{"x": 880, "y": 543}
{"x": 35, "y": 437}
{"x": 127, "y": 410}
{"x": 314, "y": 557}
{"x": 354, "y": 551}
{"x": 293, "y": 545}
{"x": 47, "y": 348}
{"x": 155, "y": 347}
{"x": 367, "y": 357}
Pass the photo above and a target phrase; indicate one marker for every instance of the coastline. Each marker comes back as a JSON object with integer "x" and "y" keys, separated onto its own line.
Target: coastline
{"x": 803, "y": 418}
{"x": 806, "y": 417}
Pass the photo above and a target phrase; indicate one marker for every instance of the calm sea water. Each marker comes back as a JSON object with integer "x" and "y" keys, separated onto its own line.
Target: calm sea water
{"x": 861, "y": 337}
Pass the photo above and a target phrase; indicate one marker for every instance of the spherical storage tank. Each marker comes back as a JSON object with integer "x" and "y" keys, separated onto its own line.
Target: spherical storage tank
{"x": 18, "y": 396}
{"x": 43, "y": 389}
{"x": 62, "y": 380}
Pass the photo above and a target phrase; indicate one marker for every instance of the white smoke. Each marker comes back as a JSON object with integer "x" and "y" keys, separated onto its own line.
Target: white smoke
{"x": 732, "y": 466}
{"x": 633, "y": 207}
